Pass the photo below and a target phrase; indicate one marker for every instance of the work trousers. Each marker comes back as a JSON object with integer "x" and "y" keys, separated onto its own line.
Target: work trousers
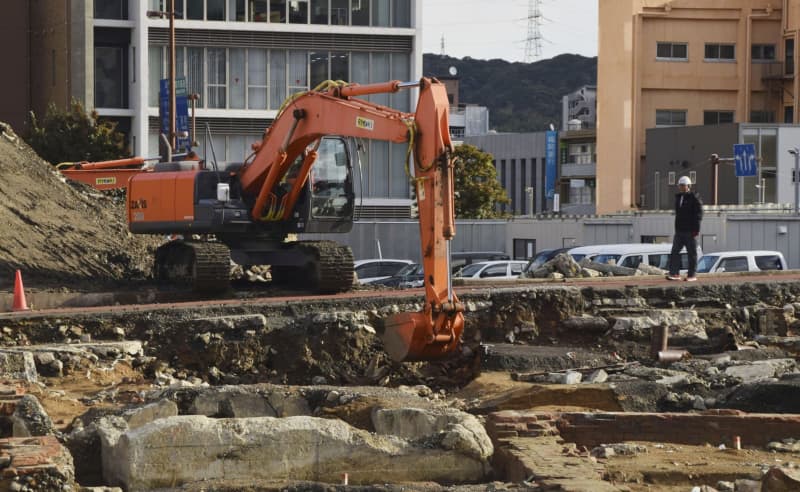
{"x": 683, "y": 239}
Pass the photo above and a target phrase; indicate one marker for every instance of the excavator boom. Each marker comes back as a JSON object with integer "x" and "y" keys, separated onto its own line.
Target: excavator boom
{"x": 436, "y": 331}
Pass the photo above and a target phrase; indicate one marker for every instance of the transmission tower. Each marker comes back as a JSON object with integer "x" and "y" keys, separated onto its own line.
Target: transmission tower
{"x": 533, "y": 42}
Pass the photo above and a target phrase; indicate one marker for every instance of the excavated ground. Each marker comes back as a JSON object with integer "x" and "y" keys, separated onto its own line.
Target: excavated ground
{"x": 526, "y": 349}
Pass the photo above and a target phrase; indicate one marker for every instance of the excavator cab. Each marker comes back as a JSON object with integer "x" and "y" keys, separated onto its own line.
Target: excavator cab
{"x": 327, "y": 201}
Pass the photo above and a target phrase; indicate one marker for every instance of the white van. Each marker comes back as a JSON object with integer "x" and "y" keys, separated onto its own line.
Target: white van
{"x": 631, "y": 255}
{"x": 741, "y": 261}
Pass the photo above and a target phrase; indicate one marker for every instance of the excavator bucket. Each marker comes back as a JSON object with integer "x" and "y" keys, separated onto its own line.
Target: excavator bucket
{"x": 410, "y": 337}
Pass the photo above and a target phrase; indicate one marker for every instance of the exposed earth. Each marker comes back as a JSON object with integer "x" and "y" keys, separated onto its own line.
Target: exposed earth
{"x": 558, "y": 386}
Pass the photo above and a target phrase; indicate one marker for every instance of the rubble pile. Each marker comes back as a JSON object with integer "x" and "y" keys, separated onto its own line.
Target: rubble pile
{"x": 564, "y": 266}
{"x": 60, "y": 233}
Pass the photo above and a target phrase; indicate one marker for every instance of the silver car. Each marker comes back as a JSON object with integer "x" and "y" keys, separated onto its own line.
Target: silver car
{"x": 492, "y": 270}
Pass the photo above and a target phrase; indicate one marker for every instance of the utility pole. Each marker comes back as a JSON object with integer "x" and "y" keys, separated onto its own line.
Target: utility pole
{"x": 796, "y": 153}
{"x": 172, "y": 105}
{"x": 172, "y": 69}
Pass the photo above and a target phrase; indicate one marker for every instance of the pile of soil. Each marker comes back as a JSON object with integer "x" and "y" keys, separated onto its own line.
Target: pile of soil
{"x": 62, "y": 234}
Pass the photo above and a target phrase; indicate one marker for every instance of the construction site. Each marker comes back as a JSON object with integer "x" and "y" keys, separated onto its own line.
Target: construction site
{"x": 112, "y": 382}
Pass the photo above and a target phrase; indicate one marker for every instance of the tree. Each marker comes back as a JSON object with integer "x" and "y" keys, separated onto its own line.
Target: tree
{"x": 74, "y": 135}
{"x": 477, "y": 189}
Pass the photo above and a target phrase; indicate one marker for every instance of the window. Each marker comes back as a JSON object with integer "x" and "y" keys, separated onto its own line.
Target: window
{"x": 238, "y": 78}
{"x": 582, "y": 153}
{"x": 319, "y": 11}
{"x": 672, "y": 51}
{"x": 693, "y": 177}
{"x": 671, "y": 178}
{"x": 277, "y": 78}
{"x": 236, "y": 10}
{"x": 788, "y": 114}
{"x": 737, "y": 264}
{"x": 256, "y": 78}
{"x": 277, "y": 11}
{"x": 215, "y": 10}
{"x": 109, "y": 80}
{"x": 632, "y": 261}
{"x": 788, "y": 57}
{"x": 194, "y": 9}
{"x": 258, "y": 10}
{"x": 111, "y": 9}
{"x": 401, "y": 13}
{"x": 360, "y": 12}
{"x": 761, "y": 52}
{"x": 717, "y": 117}
{"x": 670, "y": 117}
{"x": 762, "y": 116}
{"x": 456, "y": 132}
{"x": 771, "y": 262}
{"x": 217, "y": 78}
{"x": 298, "y": 12}
{"x": 720, "y": 52}
{"x": 500, "y": 270}
{"x": 340, "y": 11}
{"x": 380, "y": 13}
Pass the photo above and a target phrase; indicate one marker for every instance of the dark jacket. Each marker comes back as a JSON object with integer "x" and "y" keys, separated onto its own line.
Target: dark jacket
{"x": 688, "y": 212}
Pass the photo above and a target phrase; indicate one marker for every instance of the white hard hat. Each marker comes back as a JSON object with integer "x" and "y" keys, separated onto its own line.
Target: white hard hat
{"x": 684, "y": 180}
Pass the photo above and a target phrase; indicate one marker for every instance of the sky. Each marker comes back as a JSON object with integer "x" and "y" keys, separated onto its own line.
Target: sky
{"x": 498, "y": 29}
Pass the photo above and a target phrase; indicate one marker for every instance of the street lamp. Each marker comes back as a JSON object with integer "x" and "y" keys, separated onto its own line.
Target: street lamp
{"x": 796, "y": 153}
{"x": 170, "y": 13}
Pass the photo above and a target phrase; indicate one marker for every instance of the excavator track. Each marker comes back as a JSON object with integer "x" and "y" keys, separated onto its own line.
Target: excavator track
{"x": 203, "y": 266}
{"x": 334, "y": 267}
{"x": 328, "y": 268}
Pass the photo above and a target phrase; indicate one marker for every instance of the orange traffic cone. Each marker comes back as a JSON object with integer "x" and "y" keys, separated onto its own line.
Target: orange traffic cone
{"x": 19, "y": 294}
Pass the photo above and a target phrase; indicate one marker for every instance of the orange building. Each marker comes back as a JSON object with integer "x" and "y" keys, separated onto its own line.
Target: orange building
{"x": 687, "y": 62}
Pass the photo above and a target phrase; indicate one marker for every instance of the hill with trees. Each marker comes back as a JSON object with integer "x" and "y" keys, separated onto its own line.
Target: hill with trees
{"x": 521, "y": 97}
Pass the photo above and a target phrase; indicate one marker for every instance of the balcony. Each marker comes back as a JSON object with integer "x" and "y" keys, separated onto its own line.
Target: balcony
{"x": 776, "y": 71}
{"x": 578, "y": 170}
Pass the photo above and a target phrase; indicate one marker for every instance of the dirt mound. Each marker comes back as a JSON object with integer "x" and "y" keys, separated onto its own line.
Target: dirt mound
{"x": 61, "y": 234}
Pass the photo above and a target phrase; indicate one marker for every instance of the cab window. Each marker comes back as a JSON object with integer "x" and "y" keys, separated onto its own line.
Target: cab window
{"x": 769, "y": 262}
{"x": 659, "y": 261}
{"x": 632, "y": 261}
{"x": 495, "y": 271}
{"x": 736, "y": 264}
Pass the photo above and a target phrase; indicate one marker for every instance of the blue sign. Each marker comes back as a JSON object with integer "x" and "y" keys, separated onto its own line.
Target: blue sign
{"x": 181, "y": 109}
{"x": 745, "y": 157}
{"x": 550, "y": 154}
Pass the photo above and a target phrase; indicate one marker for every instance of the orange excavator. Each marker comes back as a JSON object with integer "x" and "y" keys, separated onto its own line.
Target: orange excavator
{"x": 300, "y": 179}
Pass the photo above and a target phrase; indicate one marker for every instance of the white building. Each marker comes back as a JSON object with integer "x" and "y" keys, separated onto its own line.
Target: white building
{"x": 243, "y": 58}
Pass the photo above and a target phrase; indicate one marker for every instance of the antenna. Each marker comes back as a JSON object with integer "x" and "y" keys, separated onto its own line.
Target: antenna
{"x": 442, "y": 45}
{"x": 533, "y": 42}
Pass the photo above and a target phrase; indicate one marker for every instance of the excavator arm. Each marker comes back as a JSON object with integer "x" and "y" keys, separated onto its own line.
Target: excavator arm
{"x": 436, "y": 331}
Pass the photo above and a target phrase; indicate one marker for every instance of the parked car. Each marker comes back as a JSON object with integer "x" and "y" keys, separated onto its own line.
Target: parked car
{"x": 493, "y": 270}
{"x": 408, "y": 276}
{"x": 631, "y": 255}
{"x": 541, "y": 258}
{"x": 375, "y": 269}
{"x": 741, "y": 261}
{"x": 462, "y": 258}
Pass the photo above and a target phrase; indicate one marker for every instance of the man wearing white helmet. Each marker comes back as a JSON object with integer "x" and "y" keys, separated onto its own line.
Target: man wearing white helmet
{"x": 688, "y": 214}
